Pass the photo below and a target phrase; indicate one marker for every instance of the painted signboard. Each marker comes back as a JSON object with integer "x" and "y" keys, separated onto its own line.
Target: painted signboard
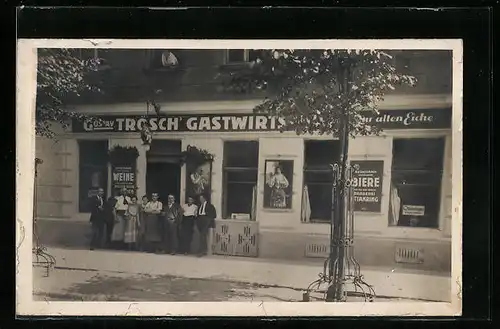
{"x": 385, "y": 119}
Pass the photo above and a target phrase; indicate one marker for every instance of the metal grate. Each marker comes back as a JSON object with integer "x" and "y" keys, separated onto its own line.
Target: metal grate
{"x": 317, "y": 250}
{"x": 409, "y": 255}
{"x": 233, "y": 238}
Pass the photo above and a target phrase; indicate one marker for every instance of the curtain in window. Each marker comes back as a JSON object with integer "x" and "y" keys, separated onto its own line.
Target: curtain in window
{"x": 254, "y": 203}
{"x": 395, "y": 206}
{"x": 305, "y": 216}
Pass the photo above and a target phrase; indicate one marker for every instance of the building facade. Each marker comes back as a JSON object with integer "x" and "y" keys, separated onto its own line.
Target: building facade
{"x": 403, "y": 188}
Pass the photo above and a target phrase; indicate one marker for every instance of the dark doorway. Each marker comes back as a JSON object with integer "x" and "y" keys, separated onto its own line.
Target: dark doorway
{"x": 163, "y": 178}
{"x": 163, "y": 174}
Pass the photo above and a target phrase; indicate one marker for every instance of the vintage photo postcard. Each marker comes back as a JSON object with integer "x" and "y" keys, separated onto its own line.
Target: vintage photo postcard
{"x": 239, "y": 178}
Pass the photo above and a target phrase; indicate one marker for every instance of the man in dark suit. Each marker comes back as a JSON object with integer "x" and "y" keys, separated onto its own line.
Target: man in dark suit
{"x": 173, "y": 217}
{"x": 97, "y": 219}
{"x": 205, "y": 221}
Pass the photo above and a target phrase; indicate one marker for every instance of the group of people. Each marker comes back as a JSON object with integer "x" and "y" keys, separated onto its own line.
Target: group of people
{"x": 123, "y": 222}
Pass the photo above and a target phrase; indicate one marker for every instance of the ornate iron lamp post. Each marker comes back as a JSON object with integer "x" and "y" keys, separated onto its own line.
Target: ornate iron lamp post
{"x": 341, "y": 269}
{"x": 42, "y": 258}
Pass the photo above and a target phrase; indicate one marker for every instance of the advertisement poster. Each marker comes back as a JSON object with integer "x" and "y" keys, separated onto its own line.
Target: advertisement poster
{"x": 279, "y": 184}
{"x": 367, "y": 185}
{"x": 124, "y": 177}
{"x": 198, "y": 180}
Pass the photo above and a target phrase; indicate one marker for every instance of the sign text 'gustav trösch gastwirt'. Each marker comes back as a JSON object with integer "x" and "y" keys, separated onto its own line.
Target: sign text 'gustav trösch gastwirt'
{"x": 388, "y": 119}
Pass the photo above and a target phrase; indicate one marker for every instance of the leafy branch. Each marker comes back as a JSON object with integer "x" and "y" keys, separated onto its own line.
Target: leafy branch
{"x": 60, "y": 75}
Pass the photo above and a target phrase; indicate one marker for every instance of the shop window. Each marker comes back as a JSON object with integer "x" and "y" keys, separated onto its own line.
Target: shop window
{"x": 417, "y": 166}
{"x": 317, "y": 189}
{"x": 241, "y": 162}
{"x": 93, "y": 170}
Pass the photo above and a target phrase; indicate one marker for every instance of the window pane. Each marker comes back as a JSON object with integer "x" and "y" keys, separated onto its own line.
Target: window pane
{"x": 238, "y": 198}
{"x": 320, "y": 154}
{"x": 242, "y": 176}
{"x": 243, "y": 154}
{"x": 93, "y": 152}
{"x": 418, "y": 153}
{"x": 321, "y": 177}
{"x": 253, "y": 55}
{"x": 416, "y": 182}
{"x": 411, "y": 177}
{"x": 93, "y": 170}
{"x": 235, "y": 55}
{"x": 91, "y": 178}
{"x": 320, "y": 199}
{"x": 426, "y": 198}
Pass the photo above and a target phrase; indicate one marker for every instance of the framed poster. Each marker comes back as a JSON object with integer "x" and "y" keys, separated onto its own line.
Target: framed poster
{"x": 198, "y": 180}
{"x": 278, "y": 184}
{"x": 124, "y": 177}
{"x": 367, "y": 185}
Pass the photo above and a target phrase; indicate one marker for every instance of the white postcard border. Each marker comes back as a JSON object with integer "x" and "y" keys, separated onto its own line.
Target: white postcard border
{"x": 25, "y": 150}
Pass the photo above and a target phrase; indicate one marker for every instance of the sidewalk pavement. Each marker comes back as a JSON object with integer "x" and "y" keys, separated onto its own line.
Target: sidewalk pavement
{"x": 296, "y": 276}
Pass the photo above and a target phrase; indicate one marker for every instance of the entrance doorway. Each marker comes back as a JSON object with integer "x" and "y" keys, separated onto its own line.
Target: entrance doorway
{"x": 163, "y": 178}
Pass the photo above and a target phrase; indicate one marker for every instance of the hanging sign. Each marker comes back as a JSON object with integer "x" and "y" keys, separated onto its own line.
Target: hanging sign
{"x": 411, "y": 210}
{"x": 367, "y": 185}
{"x": 386, "y": 119}
{"x": 124, "y": 177}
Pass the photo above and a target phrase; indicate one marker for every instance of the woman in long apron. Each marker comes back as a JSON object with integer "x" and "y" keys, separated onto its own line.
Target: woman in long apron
{"x": 132, "y": 223}
{"x": 152, "y": 224}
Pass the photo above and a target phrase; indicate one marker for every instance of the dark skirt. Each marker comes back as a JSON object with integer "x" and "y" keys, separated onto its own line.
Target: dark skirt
{"x": 152, "y": 228}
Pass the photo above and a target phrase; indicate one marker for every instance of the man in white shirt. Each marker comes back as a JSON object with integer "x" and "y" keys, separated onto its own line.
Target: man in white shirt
{"x": 122, "y": 201}
{"x": 189, "y": 212}
{"x": 153, "y": 227}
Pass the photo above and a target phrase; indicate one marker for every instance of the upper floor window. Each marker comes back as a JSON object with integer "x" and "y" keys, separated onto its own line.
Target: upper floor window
{"x": 235, "y": 56}
{"x": 100, "y": 54}
{"x": 161, "y": 59}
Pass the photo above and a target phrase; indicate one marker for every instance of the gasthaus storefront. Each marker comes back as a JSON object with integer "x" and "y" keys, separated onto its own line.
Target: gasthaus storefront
{"x": 272, "y": 190}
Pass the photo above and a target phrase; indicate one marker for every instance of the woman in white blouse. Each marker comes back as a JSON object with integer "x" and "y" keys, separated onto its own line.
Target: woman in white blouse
{"x": 152, "y": 224}
{"x": 189, "y": 211}
{"x": 121, "y": 206}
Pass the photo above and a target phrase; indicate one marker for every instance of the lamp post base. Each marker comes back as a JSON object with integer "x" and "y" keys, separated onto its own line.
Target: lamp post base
{"x": 43, "y": 259}
{"x": 322, "y": 287}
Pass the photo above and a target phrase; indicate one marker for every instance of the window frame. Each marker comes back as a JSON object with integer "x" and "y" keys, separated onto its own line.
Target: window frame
{"x": 445, "y": 135}
{"x": 227, "y": 169}
{"x": 246, "y": 57}
{"x": 317, "y": 169}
